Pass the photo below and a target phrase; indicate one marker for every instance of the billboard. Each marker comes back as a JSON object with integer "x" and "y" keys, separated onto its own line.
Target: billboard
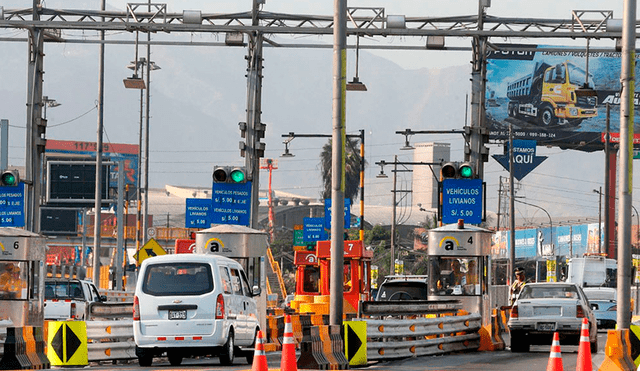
{"x": 539, "y": 91}
{"x": 115, "y": 152}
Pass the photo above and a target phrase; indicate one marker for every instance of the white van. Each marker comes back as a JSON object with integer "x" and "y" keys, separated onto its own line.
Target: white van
{"x": 190, "y": 304}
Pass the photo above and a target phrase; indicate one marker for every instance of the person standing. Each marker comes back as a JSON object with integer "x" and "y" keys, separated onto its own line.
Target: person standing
{"x": 518, "y": 284}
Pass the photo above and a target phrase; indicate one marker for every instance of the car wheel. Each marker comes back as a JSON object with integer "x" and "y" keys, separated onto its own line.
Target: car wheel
{"x": 519, "y": 342}
{"x": 226, "y": 356}
{"x": 175, "y": 358}
{"x": 547, "y": 116}
{"x": 145, "y": 357}
{"x": 249, "y": 353}
{"x": 594, "y": 347}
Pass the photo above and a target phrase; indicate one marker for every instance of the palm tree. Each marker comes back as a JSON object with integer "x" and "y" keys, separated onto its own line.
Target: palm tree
{"x": 352, "y": 169}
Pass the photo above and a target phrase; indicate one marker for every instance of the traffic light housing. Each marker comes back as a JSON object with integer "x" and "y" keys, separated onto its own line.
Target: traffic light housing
{"x": 457, "y": 170}
{"x": 9, "y": 178}
{"x": 229, "y": 174}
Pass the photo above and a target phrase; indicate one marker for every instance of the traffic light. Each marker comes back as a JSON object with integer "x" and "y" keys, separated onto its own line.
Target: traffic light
{"x": 243, "y": 134}
{"x": 465, "y": 171}
{"x": 229, "y": 174}
{"x": 10, "y": 178}
{"x": 457, "y": 170}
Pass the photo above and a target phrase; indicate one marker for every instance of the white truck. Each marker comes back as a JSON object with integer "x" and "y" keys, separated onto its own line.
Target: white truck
{"x": 593, "y": 271}
{"x": 67, "y": 299}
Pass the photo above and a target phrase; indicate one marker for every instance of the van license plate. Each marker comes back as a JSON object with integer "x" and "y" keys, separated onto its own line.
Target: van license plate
{"x": 177, "y": 314}
{"x": 547, "y": 326}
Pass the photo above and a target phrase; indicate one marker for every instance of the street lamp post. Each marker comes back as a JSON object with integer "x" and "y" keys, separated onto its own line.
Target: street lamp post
{"x": 550, "y": 228}
{"x": 132, "y": 83}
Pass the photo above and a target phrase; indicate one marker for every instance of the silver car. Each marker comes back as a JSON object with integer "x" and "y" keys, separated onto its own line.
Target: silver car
{"x": 545, "y": 308}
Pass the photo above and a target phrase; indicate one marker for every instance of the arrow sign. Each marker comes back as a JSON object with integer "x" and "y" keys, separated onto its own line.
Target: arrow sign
{"x": 524, "y": 158}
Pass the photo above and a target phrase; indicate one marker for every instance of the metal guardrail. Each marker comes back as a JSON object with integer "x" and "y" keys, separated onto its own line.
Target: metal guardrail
{"x": 403, "y": 338}
{"x": 110, "y": 340}
{"x": 408, "y": 307}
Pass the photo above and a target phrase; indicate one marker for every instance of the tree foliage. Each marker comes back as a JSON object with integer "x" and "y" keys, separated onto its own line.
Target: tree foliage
{"x": 352, "y": 169}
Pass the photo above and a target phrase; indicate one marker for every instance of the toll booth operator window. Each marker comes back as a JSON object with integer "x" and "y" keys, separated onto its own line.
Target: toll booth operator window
{"x": 454, "y": 276}
{"x": 311, "y": 278}
{"x": 13, "y": 280}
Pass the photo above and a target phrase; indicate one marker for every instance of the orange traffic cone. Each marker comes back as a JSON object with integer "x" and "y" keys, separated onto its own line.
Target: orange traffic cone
{"x": 584, "y": 351}
{"x": 288, "y": 362}
{"x": 555, "y": 358}
{"x": 259, "y": 356}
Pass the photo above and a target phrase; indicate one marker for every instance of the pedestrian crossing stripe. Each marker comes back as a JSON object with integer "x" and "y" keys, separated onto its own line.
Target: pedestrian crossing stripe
{"x": 67, "y": 343}
{"x": 355, "y": 342}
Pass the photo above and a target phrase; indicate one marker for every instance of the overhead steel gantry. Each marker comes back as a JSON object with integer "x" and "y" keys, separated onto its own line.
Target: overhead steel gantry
{"x": 361, "y": 21}
{"x": 71, "y": 26}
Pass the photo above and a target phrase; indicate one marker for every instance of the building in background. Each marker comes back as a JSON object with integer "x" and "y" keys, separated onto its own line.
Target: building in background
{"x": 425, "y": 183}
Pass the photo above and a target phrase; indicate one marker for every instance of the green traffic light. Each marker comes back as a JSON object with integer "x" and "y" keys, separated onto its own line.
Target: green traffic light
{"x": 466, "y": 172}
{"x": 8, "y": 179}
{"x": 237, "y": 176}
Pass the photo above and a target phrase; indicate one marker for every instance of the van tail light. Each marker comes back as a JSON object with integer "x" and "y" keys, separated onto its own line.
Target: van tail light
{"x": 136, "y": 309}
{"x": 514, "y": 312}
{"x": 73, "y": 310}
{"x": 220, "y": 307}
{"x": 579, "y": 311}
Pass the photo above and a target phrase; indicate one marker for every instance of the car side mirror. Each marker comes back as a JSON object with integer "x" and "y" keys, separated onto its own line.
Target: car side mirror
{"x": 103, "y": 298}
{"x": 256, "y": 291}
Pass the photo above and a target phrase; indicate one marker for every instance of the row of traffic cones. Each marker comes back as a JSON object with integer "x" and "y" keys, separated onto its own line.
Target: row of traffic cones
{"x": 584, "y": 351}
{"x": 288, "y": 361}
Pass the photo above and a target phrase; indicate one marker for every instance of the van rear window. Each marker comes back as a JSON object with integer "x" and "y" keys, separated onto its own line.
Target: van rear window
{"x": 177, "y": 279}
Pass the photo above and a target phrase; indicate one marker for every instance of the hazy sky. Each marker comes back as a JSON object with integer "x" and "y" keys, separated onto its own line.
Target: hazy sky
{"x": 549, "y": 178}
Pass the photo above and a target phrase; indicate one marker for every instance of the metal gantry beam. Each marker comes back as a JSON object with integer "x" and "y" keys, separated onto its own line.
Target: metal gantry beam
{"x": 363, "y": 21}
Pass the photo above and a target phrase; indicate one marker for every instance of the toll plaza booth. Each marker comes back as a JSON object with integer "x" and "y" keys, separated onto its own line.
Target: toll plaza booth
{"x": 307, "y": 273}
{"x": 246, "y": 245}
{"x": 459, "y": 267}
{"x": 357, "y": 272}
{"x": 22, "y": 256}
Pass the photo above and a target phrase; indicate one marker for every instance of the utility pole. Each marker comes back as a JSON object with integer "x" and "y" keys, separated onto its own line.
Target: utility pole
{"x": 98, "y": 194}
{"x": 627, "y": 78}
{"x": 337, "y": 156}
{"x": 254, "y": 117}
{"x": 392, "y": 264}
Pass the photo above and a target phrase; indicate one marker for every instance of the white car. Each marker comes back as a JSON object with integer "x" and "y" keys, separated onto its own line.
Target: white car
{"x": 190, "y": 304}
{"x": 545, "y": 308}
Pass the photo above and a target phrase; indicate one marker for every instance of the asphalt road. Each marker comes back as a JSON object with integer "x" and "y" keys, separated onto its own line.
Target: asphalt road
{"x": 536, "y": 359}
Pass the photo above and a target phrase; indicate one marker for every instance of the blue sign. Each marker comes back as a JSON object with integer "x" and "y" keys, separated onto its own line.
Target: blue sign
{"x": 231, "y": 203}
{"x": 524, "y": 158}
{"x": 313, "y": 229}
{"x": 198, "y": 213}
{"x": 12, "y": 206}
{"x": 347, "y": 213}
{"x": 462, "y": 199}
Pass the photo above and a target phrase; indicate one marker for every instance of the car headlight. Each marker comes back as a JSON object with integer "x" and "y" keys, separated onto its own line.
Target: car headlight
{"x": 573, "y": 111}
{"x": 613, "y": 308}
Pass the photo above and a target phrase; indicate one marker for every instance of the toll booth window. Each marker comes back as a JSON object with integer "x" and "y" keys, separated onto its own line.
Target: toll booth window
{"x": 311, "y": 278}
{"x": 347, "y": 280}
{"x": 454, "y": 276}
{"x": 14, "y": 280}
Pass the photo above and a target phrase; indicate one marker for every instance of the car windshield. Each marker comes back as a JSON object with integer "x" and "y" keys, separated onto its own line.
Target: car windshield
{"x": 178, "y": 279}
{"x": 403, "y": 290}
{"x": 62, "y": 290}
{"x": 549, "y": 291}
